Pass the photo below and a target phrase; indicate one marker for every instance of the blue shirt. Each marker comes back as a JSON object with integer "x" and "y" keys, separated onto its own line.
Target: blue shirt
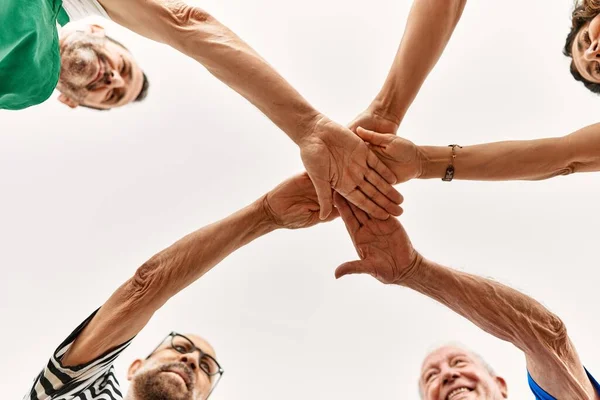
{"x": 541, "y": 394}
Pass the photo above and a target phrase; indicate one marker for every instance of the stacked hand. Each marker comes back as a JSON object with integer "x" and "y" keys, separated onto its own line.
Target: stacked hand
{"x": 402, "y": 156}
{"x": 336, "y": 158}
{"x": 384, "y": 248}
{"x": 294, "y": 204}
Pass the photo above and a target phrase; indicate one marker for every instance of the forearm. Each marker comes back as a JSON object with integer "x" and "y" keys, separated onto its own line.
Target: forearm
{"x": 132, "y": 305}
{"x": 179, "y": 265}
{"x": 511, "y": 316}
{"x": 429, "y": 28}
{"x": 518, "y": 160}
{"x": 199, "y": 35}
{"x": 497, "y": 309}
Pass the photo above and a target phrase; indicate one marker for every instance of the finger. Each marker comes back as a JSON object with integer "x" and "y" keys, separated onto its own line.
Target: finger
{"x": 375, "y": 163}
{"x": 375, "y": 138}
{"x": 352, "y": 224}
{"x": 362, "y": 202}
{"x": 324, "y": 197}
{"x": 382, "y": 201}
{"x": 352, "y": 267}
{"x": 383, "y": 187}
{"x": 360, "y": 215}
{"x": 333, "y": 215}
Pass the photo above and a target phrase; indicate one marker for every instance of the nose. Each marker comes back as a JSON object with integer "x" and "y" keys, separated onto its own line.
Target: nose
{"x": 189, "y": 360}
{"x": 112, "y": 79}
{"x": 592, "y": 52}
{"x": 449, "y": 376}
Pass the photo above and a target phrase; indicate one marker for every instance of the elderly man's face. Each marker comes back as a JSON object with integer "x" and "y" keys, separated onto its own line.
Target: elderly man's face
{"x": 169, "y": 374}
{"x": 95, "y": 71}
{"x": 452, "y": 373}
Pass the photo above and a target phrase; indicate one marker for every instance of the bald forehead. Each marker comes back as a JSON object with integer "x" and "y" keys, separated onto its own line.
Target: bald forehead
{"x": 445, "y": 353}
{"x": 201, "y": 343}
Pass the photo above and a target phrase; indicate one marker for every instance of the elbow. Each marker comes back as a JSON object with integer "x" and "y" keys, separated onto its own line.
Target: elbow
{"x": 549, "y": 336}
{"x": 183, "y": 21}
{"x": 147, "y": 286}
{"x": 558, "y": 339}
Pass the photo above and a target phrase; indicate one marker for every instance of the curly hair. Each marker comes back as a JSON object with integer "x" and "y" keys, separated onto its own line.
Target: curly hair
{"x": 583, "y": 12}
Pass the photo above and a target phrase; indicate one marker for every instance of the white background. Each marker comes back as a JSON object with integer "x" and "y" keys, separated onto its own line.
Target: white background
{"x": 87, "y": 197}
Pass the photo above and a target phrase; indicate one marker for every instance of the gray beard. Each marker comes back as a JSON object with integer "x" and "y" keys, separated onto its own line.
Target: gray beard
{"x": 154, "y": 385}
{"x": 76, "y": 61}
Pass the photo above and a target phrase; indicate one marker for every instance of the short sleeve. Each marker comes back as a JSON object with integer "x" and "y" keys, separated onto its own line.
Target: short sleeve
{"x": 541, "y": 394}
{"x": 58, "y": 381}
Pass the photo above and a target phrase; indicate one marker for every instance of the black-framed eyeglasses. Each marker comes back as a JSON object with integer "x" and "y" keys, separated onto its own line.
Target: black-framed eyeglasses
{"x": 206, "y": 362}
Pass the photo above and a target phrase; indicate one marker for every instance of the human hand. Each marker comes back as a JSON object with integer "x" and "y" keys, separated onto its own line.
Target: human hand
{"x": 293, "y": 204}
{"x": 374, "y": 121}
{"x": 336, "y": 158}
{"x": 384, "y": 248}
{"x": 402, "y": 156}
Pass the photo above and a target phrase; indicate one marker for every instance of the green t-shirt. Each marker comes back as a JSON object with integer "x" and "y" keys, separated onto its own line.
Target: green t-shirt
{"x": 29, "y": 51}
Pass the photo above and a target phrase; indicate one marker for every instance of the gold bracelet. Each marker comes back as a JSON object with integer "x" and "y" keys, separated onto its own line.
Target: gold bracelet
{"x": 450, "y": 169}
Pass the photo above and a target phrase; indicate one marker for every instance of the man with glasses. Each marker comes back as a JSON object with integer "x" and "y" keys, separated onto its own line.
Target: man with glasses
{"x": 181, "y": 367}
{"x": 169, "y": 357}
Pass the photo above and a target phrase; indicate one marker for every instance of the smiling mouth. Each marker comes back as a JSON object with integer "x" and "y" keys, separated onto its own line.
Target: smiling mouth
{"x": 457, "y": 392}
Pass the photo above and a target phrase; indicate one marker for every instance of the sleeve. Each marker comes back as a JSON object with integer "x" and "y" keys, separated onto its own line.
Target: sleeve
{"x": 57, "y": 380}
{"x": 541, "y": 394}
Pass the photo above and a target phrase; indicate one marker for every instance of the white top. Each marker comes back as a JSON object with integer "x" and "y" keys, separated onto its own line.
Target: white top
{"x": 78, "y": 9}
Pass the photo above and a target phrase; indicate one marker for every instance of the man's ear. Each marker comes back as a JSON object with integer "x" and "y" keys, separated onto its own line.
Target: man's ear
{"x": 133, "y": 368}
{"x": 97, "y": 30}
{"x": 502, "y": 385}
{"x": 63, "y": 98}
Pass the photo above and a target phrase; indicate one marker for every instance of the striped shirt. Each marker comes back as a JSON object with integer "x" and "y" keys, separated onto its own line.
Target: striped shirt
{"x": 94, "y": 380}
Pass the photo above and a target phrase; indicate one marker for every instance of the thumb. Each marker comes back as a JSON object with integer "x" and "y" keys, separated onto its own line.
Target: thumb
{"x": 372, "y": 137}
{"x": 351, "y": 267}
{"x": 325, "y": 198}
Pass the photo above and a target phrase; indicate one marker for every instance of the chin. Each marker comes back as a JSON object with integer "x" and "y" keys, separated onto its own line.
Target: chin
{"x": 154, "y": 385}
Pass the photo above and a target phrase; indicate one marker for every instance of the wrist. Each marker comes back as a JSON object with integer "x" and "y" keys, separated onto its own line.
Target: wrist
{"x": 434, "y": 161}
{"x": 306, "y": 126}
{"x": 418, "y": 274}
{"x": 383, "y": 107}
{"x": 264, "y": 219}
{"x": 411, "y": 270}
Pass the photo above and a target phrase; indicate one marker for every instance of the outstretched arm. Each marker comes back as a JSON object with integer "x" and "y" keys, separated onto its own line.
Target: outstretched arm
{"x": 387, "y": 254}
{"x": 511, "y": 160}
{"x": 519, "y": 160}
{"x": 514, "y": 317}
{"x": 333, "y": 156}
{"x": 196, "y": 33}
{"x": 293, "y": 204}
{"x": 428, "y": 29}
